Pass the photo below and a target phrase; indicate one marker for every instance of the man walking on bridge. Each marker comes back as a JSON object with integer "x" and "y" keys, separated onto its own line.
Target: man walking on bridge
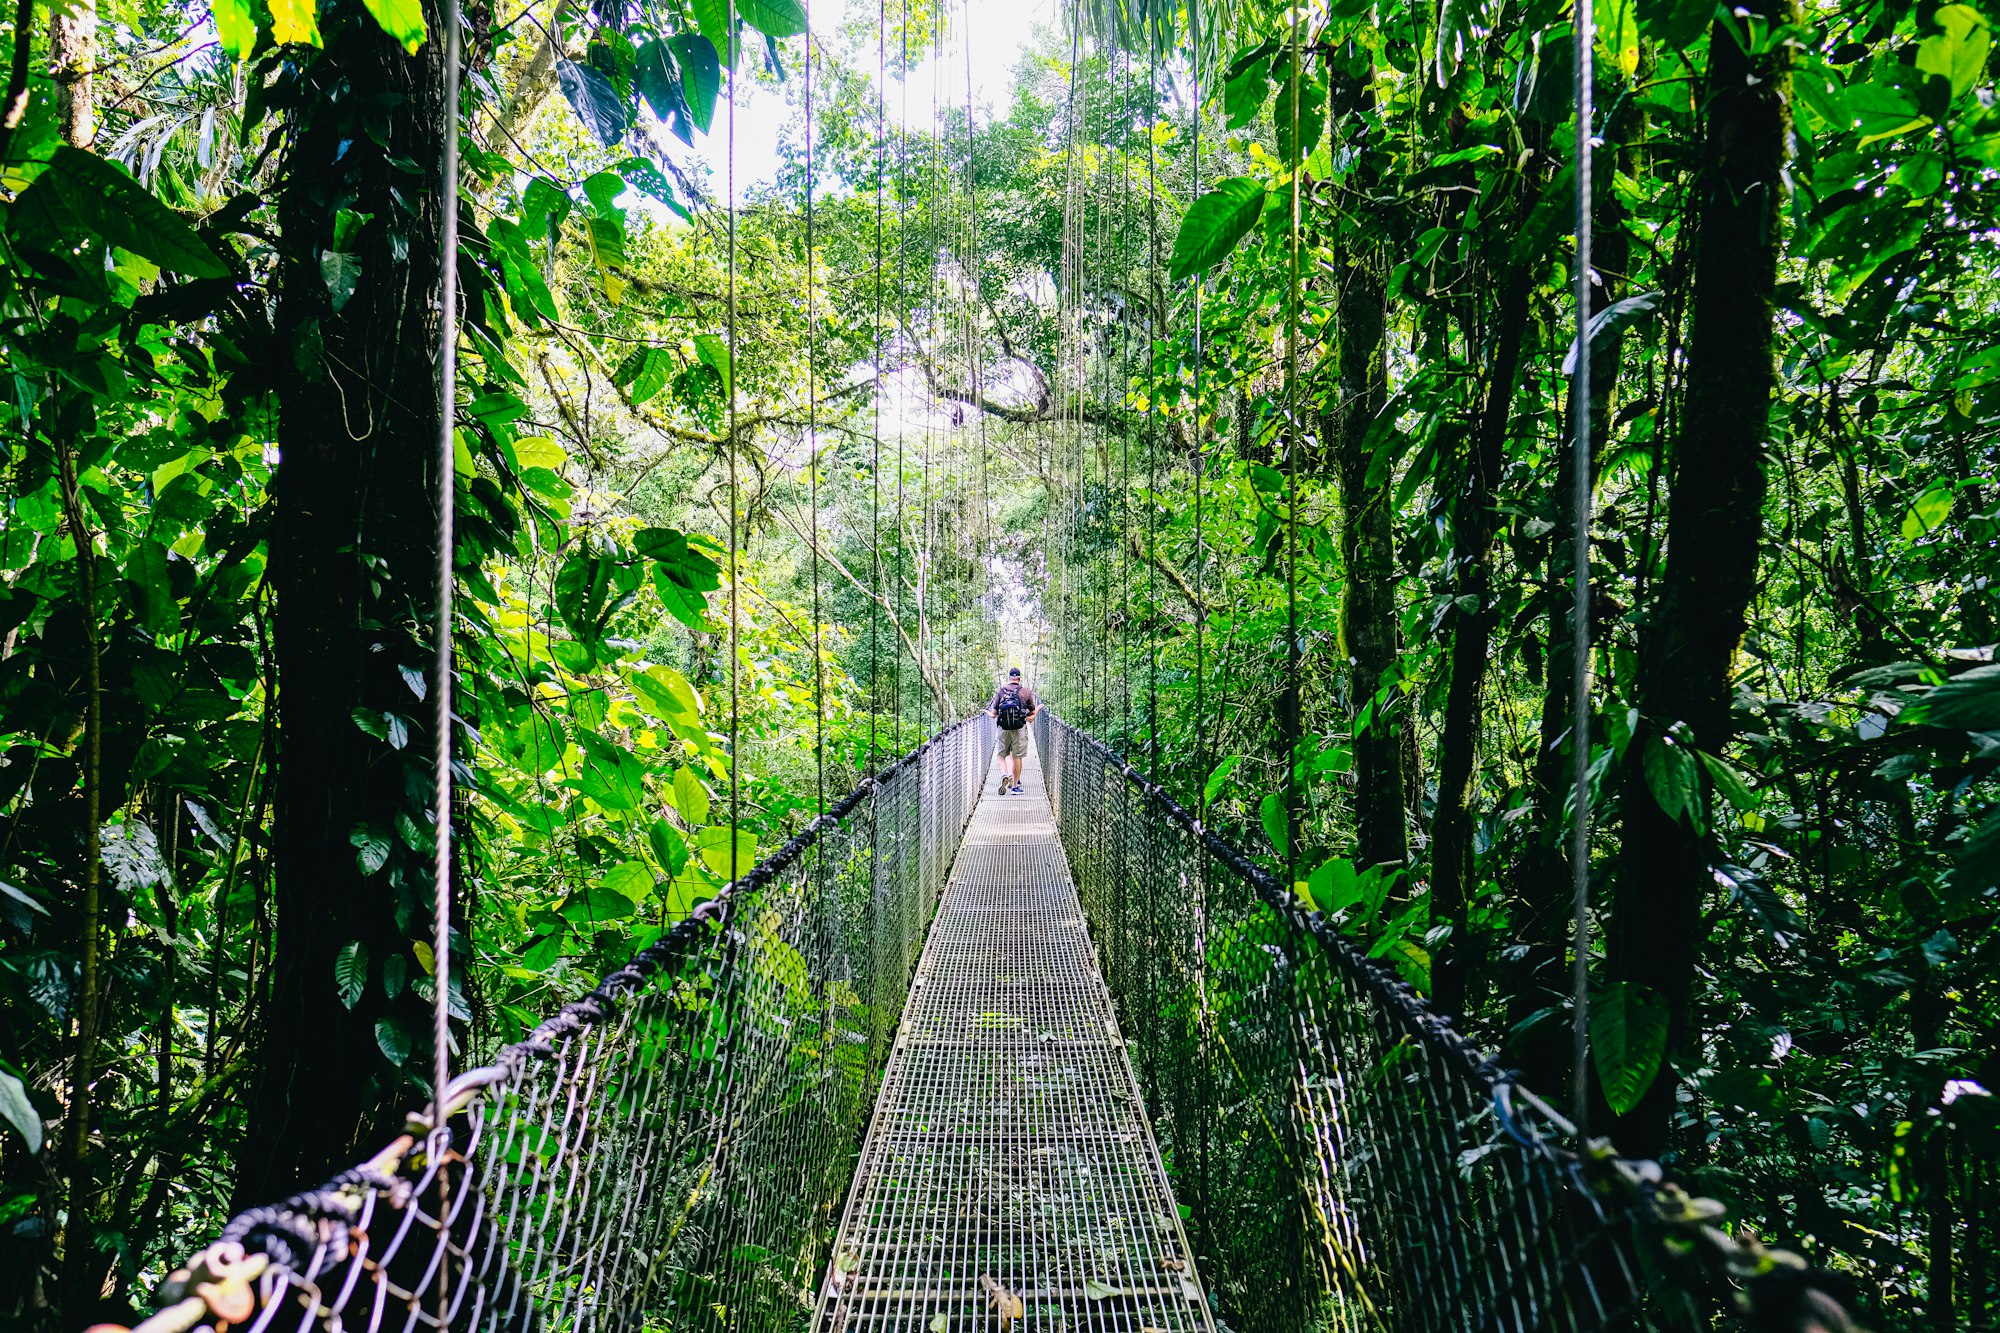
{"x": 1013, "y": 708}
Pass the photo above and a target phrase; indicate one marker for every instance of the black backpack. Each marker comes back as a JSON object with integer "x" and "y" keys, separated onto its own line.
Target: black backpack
{"x": 1010, "y": 712}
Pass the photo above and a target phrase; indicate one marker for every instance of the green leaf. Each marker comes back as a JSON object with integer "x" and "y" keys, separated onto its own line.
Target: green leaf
{"x": 712, "y": 17}
{"x": 1618, "y": 35}
{"x": 392, "y": 1036}
{"x": 1628, "y": 1042}
{"x": 701, "y": 76}
{"x": 594, "y": 100}
{"x": 713, "y": 846}
{"x": 1735, "y": 788}
{"x": 630, "y": 879}
{"x": 1298, "y": 117}
{"x": 350, "y": 972}
{"x": 1214, "y": 224}
{"x": 714, "y": 353}
{"x": 595, "y": 904}
{"x": 667, "y": 695}
{"x": 1277, "y": 827}
{"x": 19, "y": 1111}
{"x": 235, "y": 26}
{"x": 1957, "y": 54}
{"x": 1678, "y": 23}
{"x": 773, "y": 18}
{"x": 1670, "y": 776}
{"x": 294, "y": 21}
{"x": 404, "y": 21}
{"x": 1927, "y": 512}
{"x": 611, "y": 777}
{"x": 341, "y": 272}
{"x": 371, "y": 848}
{"x": 1243, "y": 93}
{"x": 1098, "y": 1291}
{"x": 1968, "y": 702}
{"x": 153, "y": 601}
{"x": 670, "y": 849}
{"x": 658, "y": 80}
{"x": 83, "y": 196}
{"x": 1883, "y": 112}
{"x": 689, "y": 796}
{"x": 1221, "y": 774}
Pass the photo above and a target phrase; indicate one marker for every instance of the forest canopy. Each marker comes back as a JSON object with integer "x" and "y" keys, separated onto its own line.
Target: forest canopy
{"x": 1215, "y": 368}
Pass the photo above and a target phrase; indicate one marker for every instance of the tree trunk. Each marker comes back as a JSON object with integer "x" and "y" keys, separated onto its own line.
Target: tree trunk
{"x": 1368, "y": 594}
{"x": 72, "y": 60}
{"x": 1714, "y": 535}
{"x": 1474, "y": 525}
{"x": 352, "y": 566}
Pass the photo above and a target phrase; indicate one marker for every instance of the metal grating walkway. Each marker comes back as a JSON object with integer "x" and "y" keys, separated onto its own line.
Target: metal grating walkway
{"x": 1010, "y": 1171}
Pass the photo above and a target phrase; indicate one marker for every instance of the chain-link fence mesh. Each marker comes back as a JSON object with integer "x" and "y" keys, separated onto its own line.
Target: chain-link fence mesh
{"x": 1347, "y": 1159}
{"x": 670, "y": 1151}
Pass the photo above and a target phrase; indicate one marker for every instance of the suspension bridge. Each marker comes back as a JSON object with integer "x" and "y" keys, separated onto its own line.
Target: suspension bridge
{"x": 956, "y": 1060}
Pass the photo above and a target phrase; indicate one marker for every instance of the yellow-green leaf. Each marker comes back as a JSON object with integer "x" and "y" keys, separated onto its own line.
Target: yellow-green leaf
{"x": 402, "y": 20}
{"x": 295, "y": 21}
{"x": 1927, "y": 512}
{"x": 1958, "y": 52}
{"x": 235, "y": 26}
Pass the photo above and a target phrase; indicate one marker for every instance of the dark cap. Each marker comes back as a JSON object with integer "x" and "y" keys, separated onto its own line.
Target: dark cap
{"x": 1013, "y": 671}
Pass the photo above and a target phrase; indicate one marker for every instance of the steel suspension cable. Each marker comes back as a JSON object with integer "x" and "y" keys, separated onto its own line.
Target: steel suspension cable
{"x": 441, "y": 687}
{"x": 1580, "y": 506}
{"x": 735, "y": 492}
{"x": 1195, "y": 432}
{"x": 1294, "y": 686}
{"x": 1153, "y": 335}
{"x": 812, "y": 445}
{"x": 875, "y": 457}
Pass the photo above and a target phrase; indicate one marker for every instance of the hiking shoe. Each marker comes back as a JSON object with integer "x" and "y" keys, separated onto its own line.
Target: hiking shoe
{"x": 1017, "y": 789}
{"x": 1003, "y": 788}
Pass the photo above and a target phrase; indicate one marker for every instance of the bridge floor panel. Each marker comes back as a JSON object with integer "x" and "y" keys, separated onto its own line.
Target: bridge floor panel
{"x": 1010, "y": 1172}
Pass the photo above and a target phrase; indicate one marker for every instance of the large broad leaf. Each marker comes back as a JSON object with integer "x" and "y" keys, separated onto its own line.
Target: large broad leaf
{"x": 1676, "y": 22}
{"x": 18, "y": 1111}
{"x": 629, "y": 879}
{"x": 1215, "y": 223}
{"x": 714, "y": 353}
{"x": 1244, "y": 91}
{"x": 1928, "y": 511}
{"x": 596, "y": 102}
{"x": 1614, "y": 319}
{"x": 689, "y": 796}
{"x": 701, "y": 76}
{"x": 235, "y": 26}
{"x": 1298, "y": 117}
{"x": 392, "y": 1035}
{"x": 773, "y": 18}
{"x": 656, "y": 74}
{"x": 1958, "y": 53}
{"x": 715, "y": 845}
{"x": 713, "y": 18}
{"x": 1670, "y": 776}
{"x": 670, "y": 849}
{"x": 1628, "y": 1041}
{"x": 401, "y": 19}
{"x": 84, "y": 198}
{"x": 1970, "y": 702}
{"x": 596, "y": 904}
{"x": 295, "y": 21}
{"x": 350, "y": 972}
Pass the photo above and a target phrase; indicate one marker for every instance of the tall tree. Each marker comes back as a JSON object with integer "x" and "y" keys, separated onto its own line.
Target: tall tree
{"x": 1714, "y": 537}
{"x": 355, "y": 365}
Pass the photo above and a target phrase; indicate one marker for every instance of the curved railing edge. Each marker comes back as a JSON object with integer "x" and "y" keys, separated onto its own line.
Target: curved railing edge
{"x": 1773, "y": 1289}
{"x": 216, "y": 1282}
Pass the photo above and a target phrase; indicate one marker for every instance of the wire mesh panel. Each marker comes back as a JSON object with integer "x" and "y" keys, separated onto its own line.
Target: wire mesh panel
{"x": 670, "y": 1151}
{"x": 1010, "y": 1173}
{"x": 1340, "y": 1149}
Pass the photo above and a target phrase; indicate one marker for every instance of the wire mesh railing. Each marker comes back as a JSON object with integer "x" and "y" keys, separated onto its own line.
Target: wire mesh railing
{"x": 670, "y": 1151}
{"x": 1347, "y": 1159}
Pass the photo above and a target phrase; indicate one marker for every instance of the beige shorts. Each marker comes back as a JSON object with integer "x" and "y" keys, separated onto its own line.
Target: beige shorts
{"x": 1014, "y": 744}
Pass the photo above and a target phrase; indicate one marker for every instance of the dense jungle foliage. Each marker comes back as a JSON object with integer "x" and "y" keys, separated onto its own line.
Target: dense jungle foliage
{"x": 1217, "y": 372}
